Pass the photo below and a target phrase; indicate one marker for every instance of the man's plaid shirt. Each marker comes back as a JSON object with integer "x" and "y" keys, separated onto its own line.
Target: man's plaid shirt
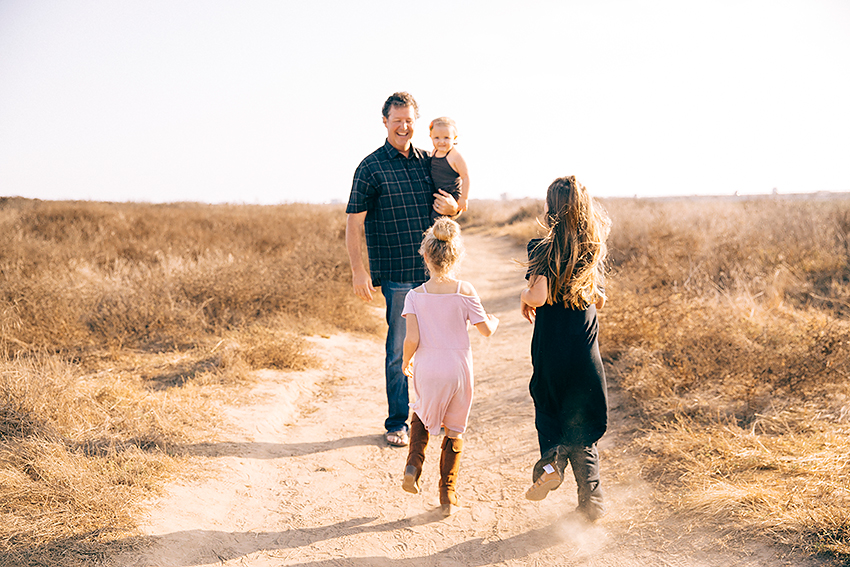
{"x": 396, "y": 193}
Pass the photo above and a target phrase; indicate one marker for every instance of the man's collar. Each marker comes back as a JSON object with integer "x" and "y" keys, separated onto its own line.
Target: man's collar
{"x": 413, "y": 153}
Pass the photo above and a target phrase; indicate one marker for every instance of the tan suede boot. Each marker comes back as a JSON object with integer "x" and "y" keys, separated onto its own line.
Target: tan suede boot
{"x": 415, "y": 455}
{"x": 548, "y": 473}
{"x": 449, "y": 465}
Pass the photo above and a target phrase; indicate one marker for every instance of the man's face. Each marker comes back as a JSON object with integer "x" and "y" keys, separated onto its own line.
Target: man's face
{"x": 399, "y": 125}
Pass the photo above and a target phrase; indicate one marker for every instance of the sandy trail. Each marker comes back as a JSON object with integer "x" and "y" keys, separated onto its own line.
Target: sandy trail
{"x": 303, "y": 476}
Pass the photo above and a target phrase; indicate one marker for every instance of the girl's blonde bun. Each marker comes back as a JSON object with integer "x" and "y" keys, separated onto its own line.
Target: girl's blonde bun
{"x": 442, "y": 246}
{"x": 445, "y": 229}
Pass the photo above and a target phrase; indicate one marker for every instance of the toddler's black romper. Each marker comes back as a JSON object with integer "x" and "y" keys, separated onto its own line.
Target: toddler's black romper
{"x": 444, "y": 178}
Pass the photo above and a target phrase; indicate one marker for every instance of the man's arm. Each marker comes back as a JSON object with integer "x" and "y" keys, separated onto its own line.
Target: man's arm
{"x": 354, "y": 243}
{"x": 445, "y": 204}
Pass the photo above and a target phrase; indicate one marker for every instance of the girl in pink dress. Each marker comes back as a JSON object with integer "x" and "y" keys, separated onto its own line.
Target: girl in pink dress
{"x": 436, "y": 314}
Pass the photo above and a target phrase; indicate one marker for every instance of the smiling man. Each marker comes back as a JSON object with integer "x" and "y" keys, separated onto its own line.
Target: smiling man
{"x": 391, "y": 201}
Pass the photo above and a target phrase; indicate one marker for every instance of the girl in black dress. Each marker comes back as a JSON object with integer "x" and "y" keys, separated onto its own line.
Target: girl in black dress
{"x": 565, "y": 289}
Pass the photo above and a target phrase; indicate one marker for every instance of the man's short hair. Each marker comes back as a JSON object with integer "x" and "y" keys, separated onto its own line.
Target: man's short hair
{"x": 400, "y": 99}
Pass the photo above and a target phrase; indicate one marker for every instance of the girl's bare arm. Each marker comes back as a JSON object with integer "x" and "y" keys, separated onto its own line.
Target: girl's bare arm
{"x": 459, "y": 165}
{"x": 411, "y": 343}
{"x": 533, "y": 296}
{"x": 537, "y": 291}
{"x": 488, "y": 327}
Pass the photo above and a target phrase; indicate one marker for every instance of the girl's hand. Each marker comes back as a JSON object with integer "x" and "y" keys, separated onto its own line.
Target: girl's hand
{"x": 528, "y": 312}
{"x": 408, "y": 370}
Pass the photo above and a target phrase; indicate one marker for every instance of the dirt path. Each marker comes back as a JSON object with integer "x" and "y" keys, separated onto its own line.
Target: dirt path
{"x": 303, "y": 477}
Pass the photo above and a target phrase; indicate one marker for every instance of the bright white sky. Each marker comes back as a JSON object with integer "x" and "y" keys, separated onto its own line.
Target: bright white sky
{"x": 278, "y": 101}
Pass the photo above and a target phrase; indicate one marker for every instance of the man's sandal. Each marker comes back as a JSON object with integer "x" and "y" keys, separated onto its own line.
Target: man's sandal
{"x": 398, "y": 438}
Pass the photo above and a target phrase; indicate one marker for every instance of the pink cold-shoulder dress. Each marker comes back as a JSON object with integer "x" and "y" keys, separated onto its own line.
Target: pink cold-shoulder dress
{"x": 442, "y": 365}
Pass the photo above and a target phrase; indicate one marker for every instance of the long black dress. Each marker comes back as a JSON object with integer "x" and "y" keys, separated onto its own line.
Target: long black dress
{"x": 568, "y": 382}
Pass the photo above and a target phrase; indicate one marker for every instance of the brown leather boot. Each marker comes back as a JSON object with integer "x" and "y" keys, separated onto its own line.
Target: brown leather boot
{"x": 415, "y": 455}
{"x": 449, "y": 465}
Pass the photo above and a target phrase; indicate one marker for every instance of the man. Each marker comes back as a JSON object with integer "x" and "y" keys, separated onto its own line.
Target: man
{"x": 391, "y": 200}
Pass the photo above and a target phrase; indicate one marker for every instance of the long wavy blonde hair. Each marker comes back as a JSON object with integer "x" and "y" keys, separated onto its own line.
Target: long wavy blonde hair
{"x": 572, "y": 254}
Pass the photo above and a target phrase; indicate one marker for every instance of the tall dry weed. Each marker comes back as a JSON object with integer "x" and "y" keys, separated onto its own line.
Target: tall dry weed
{"x": 118, "y": 322}
{"x": 785, "y": 476}
{"x": 490, "y": 214}
{"x": 78, "y": 276}
{"x": 77, "y": 453}
{"x": 727, "y": 327}
{"x": 737, "y": 247}
{"x": 725, "y": 318}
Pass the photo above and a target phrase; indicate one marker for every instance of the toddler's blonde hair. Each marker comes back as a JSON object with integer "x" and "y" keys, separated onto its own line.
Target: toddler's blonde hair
{"x": 442, "y": 121}
{"x": 442, "y": 246}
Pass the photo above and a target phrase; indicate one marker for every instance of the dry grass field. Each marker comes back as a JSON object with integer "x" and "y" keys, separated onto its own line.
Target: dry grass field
{"x": 119, "y": 323}
{"x": 727, "y": 324}
{"x": 121, "y": 326}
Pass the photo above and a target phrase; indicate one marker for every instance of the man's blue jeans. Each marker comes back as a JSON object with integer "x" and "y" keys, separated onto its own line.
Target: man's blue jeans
{"x": 397, "y": 394}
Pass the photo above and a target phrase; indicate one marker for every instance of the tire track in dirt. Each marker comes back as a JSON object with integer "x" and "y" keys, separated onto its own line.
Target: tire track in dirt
{"x": 302, "y": 477}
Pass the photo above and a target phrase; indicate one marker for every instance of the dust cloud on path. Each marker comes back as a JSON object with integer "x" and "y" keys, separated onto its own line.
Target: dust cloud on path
{"x": 302, "y": 476}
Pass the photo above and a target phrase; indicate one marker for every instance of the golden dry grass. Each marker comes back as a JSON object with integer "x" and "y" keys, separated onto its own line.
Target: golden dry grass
{"x": 727, "y": 327}
{"x": 77, "y": 276}
{"x": 76, "y": 452}
{"x": 119, "y": 323}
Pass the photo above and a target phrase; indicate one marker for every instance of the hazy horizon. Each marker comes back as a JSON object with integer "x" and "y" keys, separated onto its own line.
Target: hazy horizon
{"x": 268, "y": 102}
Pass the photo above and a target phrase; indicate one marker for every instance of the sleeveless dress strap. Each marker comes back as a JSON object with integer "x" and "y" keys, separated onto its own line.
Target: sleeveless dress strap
{"x": 425, "y": 289}
{"x": 458, "y": 287}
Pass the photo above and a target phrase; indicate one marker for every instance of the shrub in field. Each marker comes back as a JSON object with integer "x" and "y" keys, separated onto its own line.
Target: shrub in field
{"x": 783, "y": 476}
{"x": 494, "y": 214}
{"x": 75, "y": 458}
{"x": 117, "y": 322}
{"x": 82, "y": 276}
{"x": 727, "y": 327}
{"x": 774, "y": 247}
{"x": 682, "y": 353}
